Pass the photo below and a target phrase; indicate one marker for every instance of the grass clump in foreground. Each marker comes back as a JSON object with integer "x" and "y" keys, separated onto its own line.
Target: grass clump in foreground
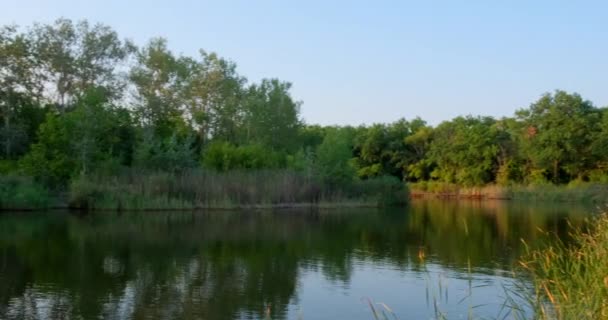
{"x": 22, "y": 193}
{"x": 571, "y": 281}
{"x": 141, "y": 190}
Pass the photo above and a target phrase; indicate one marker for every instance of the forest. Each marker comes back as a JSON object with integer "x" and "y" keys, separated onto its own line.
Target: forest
{"x": 95, "y": 119}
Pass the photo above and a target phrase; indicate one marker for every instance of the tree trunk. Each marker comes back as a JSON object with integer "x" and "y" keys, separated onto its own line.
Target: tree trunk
{"x": 555, "y": 167}
{"x": 7, "y": 129}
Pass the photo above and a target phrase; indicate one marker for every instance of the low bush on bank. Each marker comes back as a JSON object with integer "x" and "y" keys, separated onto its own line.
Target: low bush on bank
{"x": 434, "y": 187}
{"x": 22, "y": 193}
{"x": 571, "y": 280}
{"x": 573, "y": 192}
{"x": 134, "y": 190}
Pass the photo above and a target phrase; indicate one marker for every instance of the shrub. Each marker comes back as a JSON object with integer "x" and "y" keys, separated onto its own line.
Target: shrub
{"x": 385, "y": 190}
{"x": 171, "y": 154}
{"x": 22, "y": 193}
{"x": 223, "y": 156}
{"x": 8, "y": 166}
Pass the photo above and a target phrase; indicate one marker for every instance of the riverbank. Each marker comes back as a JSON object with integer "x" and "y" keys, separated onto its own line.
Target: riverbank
{"x": 571, "y": 281}
{"x": 573, "y": 192}
{"x": 197, "y": 189}
{"x": 265, "y": 189}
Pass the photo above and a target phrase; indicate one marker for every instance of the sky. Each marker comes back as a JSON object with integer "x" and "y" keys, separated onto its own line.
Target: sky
{"x": 363, "y": 62}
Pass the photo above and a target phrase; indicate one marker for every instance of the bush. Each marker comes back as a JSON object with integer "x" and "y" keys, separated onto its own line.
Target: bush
{"x": 385, "y": 190}
{"x": 8, "y": 166}
{"x": 599, "y": 176}
{"x": 301, "y": 161}
{"x": 434, "y": 187}
{"x": 22, "y": 193}
{"x": 508, "y": 174}
{"x": 538, "y": 177}
{"x": 334, "y": 155}
{"x": 223, "y": 156}
{"x": 172, "y": 154}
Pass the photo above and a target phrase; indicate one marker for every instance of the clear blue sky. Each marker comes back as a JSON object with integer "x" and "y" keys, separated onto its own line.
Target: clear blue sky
{"x": 354, "y": 62}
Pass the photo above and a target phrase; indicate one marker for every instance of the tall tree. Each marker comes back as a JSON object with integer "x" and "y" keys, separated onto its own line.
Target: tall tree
{"x": 159, "y": 79}
{"x": 557, "y": 134}
{"x": 214, "y": 97}
{"x": 18, "y": 88}
{"x": 334, "y": 155}
{"x": 418, "y": 167}
{"x": 271, "y": 115}
{"x": 78, "y": 141}
{"x": 390, "y": 149}
{"x": 464, "y": 150}
{"x": 77, "y": 56}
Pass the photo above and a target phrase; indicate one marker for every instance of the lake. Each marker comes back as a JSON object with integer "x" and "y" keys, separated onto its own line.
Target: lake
{"x": 434, "y": 258}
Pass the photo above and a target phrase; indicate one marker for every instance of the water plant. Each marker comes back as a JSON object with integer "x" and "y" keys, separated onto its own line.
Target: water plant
{"x": 571, "y": 279}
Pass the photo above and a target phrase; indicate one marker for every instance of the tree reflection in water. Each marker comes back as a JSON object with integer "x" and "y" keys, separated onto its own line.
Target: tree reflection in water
{"x": 225, "y": 265}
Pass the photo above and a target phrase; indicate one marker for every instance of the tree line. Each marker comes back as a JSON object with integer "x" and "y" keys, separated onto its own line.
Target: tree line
{"x": 76, "y": 99}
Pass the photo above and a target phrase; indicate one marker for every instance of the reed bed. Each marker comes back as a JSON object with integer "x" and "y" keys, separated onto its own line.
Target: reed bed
{"x": 573, "y": 192}
{"x": 22, "y": 193}
{"x": 140, "y": 190}
{"x": 571, "y": 280}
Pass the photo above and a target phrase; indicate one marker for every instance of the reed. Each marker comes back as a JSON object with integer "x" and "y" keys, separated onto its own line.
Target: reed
{"x": 141, "y": 190}
{"x": 571, "y": 280}
{"x": 573, "y": 192}
{"x": 22, "y": 193}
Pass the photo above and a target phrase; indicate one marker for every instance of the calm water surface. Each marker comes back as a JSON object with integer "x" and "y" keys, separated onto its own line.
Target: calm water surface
{"x": 448, "y": 257}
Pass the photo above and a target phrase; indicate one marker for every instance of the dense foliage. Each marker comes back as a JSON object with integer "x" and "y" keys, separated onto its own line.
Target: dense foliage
{"x": 76, "y": 100}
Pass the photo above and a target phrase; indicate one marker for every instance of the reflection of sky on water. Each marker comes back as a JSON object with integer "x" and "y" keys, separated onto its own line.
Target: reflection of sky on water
{"x": 410, "y": 294}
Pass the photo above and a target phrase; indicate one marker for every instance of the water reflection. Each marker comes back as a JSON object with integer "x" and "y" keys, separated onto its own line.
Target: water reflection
{"x": 225, "y": 265}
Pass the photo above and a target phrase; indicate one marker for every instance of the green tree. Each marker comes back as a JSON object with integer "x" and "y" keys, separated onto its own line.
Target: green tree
{"x": 390, "y": 149}
{"x": 159, "y": 79}
{"x": 418, "y": 167}
{"x": 272, "y": 116}
{"x": 214, "y": 97}
{"x": 173, "y": 154}
{"x": 19, "y": 91}
{"x": 75, "y": 57}
{"x": 311, "y": 136}
{"x": 334, "y": 158}
{"x": 50, "y": 159}
{"x": 556, "y": 136}
{"x": 464, "y": 151}
{"x": 77, "y": 142}
{"x": 371, "y": 151}
{"x": 224, "y": 156}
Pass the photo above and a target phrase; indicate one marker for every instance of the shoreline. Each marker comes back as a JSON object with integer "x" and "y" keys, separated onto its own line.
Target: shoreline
{"x": 584, "y": 192}
{"x": 326, "y": 205}
{"x": 557, "y": 194}
{"x": 457, "y": 196}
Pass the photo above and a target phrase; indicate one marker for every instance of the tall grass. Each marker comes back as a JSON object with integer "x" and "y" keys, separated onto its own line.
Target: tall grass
{"x": 140, "y": 190}
{"x": 573, "y": 192}
{"x": 21, "y": 193}
{"x": 571, "y": 280}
